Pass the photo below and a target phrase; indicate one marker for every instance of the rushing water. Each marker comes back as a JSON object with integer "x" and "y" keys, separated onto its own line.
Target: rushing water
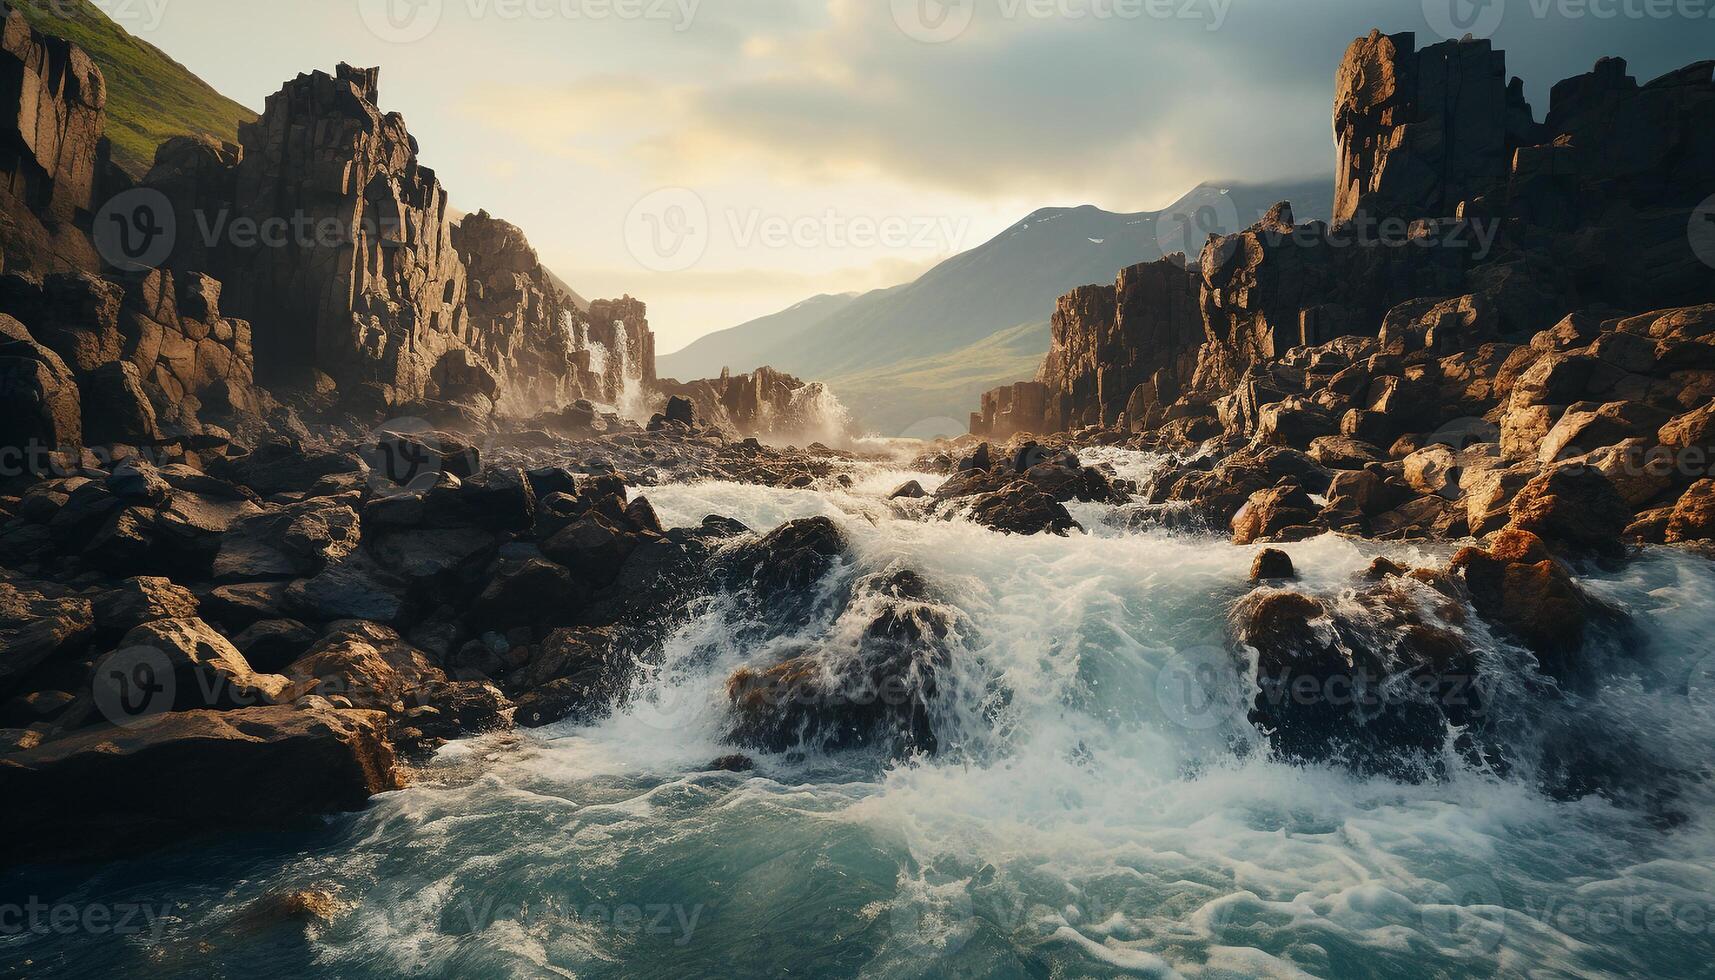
{"x": 1087, "y": 816}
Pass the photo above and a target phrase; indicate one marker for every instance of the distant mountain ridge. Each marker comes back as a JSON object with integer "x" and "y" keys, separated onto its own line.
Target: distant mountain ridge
{"x": 865, "y": 346}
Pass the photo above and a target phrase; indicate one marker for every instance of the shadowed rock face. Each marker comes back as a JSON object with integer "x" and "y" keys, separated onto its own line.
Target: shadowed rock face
{"x": 54, "y": 162}
{"x": 1420, "y": 131}
{"x": 375, "y": 281}
{"x": 1459, "y": 220}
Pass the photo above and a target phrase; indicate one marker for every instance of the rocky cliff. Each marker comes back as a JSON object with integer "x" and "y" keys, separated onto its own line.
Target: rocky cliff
{"x": 1457, "y": 216}
{"x": 55, "y": 165}
{"x": 318, "y": 256}
{"x": 366, "y": 277}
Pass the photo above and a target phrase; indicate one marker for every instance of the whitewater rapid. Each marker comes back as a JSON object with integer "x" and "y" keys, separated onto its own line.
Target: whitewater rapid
{"x": 1097, "y": 809}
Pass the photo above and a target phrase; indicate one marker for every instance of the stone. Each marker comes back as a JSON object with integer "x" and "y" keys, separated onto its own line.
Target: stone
{"x": 295, "y": 540}
{"x": 366, "y": 663}
{"x": 274, "y": 644}
{"x": 1575, "y": 510}
{"x": 208, "y": 672}
{"x": 38, "y": 621}
{"x": 116, "y": 407}
{"x": 355, "y": 587}
{"x": 1489, "y": 496}
{"x": 533, "y": 593}
{"x": 1272, "y": 566}
{"x": 110, "y": 791}
{"x": 792, "y": 557}
{"x": 1434, "y": 470}
{"x": 592, "y": 549}
{"x": 1268, "y": 512}
{"x": 909, "y": 490}
{"x": 1693, "y": 517}
{"x": 1344, "y": 452}
{"x": 1021, "y": 508}
{"x": 40, "y": 406}
{"x": 136, "y": 601}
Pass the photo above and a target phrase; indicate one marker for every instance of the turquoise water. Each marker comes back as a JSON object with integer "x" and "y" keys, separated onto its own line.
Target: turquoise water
{"x": 1089, "y": 815}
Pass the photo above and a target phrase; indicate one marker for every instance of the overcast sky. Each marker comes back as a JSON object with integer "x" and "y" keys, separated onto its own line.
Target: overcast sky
{"x": 724, "y": 159}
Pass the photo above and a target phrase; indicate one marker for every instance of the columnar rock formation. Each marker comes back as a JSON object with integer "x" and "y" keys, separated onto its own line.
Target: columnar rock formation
{"x": 54, "y": 162}
{"x": 1458, "y": 218}
{"x": 362, "y": 273}
{"x": 763, "y": 402}
{"x": 1420, "y": 131}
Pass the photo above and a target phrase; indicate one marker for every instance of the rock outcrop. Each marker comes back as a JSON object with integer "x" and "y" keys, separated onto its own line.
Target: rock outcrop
{"x": 764, "y": 402}
{"x": 55, "y": 166}
{"x": 1460, "y": 221}
{"x": 339, "y": 246}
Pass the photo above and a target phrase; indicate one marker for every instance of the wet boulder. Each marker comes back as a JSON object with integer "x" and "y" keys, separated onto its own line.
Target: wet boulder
{"x": 1517, "y": 584}
{"x": 877, "y": 690}
{"x": 1022, "y": 508}
{"x": 792, "y": 558}
{"x": 1270, "y": 512}
{"x": 535, "y": 592}
{"x": 111, "y": 791}
{"x": 577, "y": 674}
{"x": 1272, "y": 565}
{"x": 1370, "y": 681}
{"x": 1693, "y": 516}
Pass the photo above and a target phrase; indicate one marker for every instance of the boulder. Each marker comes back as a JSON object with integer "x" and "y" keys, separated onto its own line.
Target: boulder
{"x": 1269, "y": 512}
{"x": 40, "y": 405}
{"x": 366, "y": 663}
{"x": 909, "y": 490}
{"x": 791, "y": 558}
{"x": 116, "y": 408}
{"x": 136, "y": 601}
{"x": 1021, "y": 508}
{"x": 38, "y": 621}
{"x": 577, "y": 674}
{"x": 111, "y": 791}
{"x": 534, "y": 593}
{"x": 1272, "y": 566}
{"x": 355, "y": 587}
{"x": 294, "y": 540}
{"x": 207, "y": 671}
{"x": 1575, "y": 510}
{"x": 1693, "y": 517}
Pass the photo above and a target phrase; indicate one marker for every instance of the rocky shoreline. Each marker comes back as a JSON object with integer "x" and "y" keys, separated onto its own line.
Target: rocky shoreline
{"x": 274, "y": 525}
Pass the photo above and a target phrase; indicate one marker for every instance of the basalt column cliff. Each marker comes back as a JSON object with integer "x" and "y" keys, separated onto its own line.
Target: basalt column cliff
{"x": 368, "y": 278}
{"x": 1459, "y": 221}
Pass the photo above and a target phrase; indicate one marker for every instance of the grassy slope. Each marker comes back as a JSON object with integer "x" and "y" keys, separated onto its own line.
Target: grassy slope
{"x": 150, "y": 97}
{"x": 897, "y": 398}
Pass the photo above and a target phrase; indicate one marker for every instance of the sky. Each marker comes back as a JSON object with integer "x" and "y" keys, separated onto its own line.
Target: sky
{"x": 725, "y": 159}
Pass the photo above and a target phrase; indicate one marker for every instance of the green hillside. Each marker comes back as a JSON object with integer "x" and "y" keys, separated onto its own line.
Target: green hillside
{"x": 150, "y": 97}
{"x": 916, "y": 398}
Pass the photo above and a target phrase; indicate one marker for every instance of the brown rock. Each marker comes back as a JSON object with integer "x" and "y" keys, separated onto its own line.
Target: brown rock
{"x": 1575, "y": 510}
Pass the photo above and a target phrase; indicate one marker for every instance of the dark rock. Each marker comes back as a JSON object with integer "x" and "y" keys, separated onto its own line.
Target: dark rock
{"x": 273, "y": 645}
{"x": 111, "y": 791}
{"x": 1272, "y": 565}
